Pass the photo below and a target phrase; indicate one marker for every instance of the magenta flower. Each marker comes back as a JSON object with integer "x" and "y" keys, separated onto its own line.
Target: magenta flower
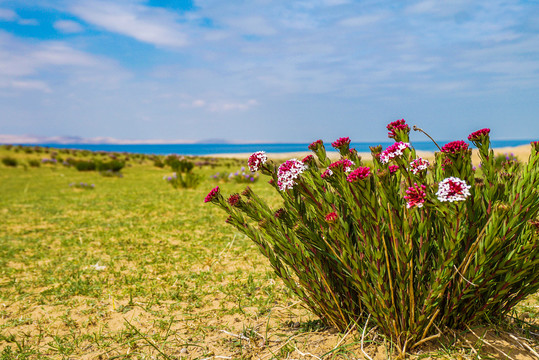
{"x": 397, "y": 125}
{"x": 212, "y": 194}
{"x": 340, "y": 142}
{"x": 419, "y": 165}
{"x": 535, "y": 145}
{"x": 359, "y": 174}
{"x": 331, "y": 217}
{"x": 234, "y": 199}
{"x": 315, "y": 145}
{"x": 326, "y": 174}
{"x": 455, "y": 147}
{"x": 478, "y": 135}
{"x": 256, "y": 160}
{"x": 453, "y": 189}
{"x": 415, "y": 196}
{"x": 393, "y": 169}
{"x": 393, "y": 151}
{"x": 307, "y": 159}
{"x": 288, "y": 172}
{"x": 344, "y": 164}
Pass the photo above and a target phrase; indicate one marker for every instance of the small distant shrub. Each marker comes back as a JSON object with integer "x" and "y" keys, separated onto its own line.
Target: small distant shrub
{"x": 240, "y": 176}
{"x": 49, "y": 161}
{"x": 180, "y": 165}
{"x": 85, "y": 165}
{"x": 82, "y": 185}
{"x": 506, "y": 162}
{"x": 113, "y": 165}
{"x": 8, "y": 146}
{"x": 9, "y": 161}
{"x": 34, "y": 163}
{"x": 188, "y": 180}
{"x": 28, "y": 150}
{"x": 158, "y": 163}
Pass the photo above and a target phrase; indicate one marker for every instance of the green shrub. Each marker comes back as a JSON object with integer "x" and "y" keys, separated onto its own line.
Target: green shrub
{"x": 34, "y": 163}
{"x": 85, "y": 165}
{"x": 113, "y": 165}
{"x": 180, "y": 165}
{"x": 158, "y": 163}
{"x": 240, "y": 176}
{"x": 9, "y": 161}
{"x": 188, "y": 180}
{"x": 414, "y": 247}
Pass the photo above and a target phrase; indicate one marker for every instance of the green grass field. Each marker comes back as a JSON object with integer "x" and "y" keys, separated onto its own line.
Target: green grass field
{"x": 135, "y": 269}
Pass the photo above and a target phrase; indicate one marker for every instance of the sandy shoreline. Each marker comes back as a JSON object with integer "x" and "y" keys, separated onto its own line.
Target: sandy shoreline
{"x": 522, "y": 152}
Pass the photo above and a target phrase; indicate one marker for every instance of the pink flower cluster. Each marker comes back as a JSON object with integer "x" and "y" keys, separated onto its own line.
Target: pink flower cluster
{"x": 340, "y": 142}
{"x": 326, "y": 173}
{"x": 359, "y": 174}
{"x": 234, "y": 199}
{"x": 288, "y": 172}
{"x": 256, "y": 160}
{"x": 419, "y": 165}
{"x": 478, "y": 135}
{"x": 307, "y": 159}
{"x": 416, "y": 196}
{"x": 393, "y": 151}
{"x": 455, "y": 147}
{"x": 212, "y": 194}
{"x": 453, "y": 189}
{"x": 332, "y": 217}
{"x": 397, "y": 125}
{"x": 393, "y": 169}
{"x": 315, "y": 145}
{"x": 344, "y": 164}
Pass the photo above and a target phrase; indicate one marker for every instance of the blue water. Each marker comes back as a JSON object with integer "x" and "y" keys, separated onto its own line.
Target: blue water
{"x": 208, "y": 149}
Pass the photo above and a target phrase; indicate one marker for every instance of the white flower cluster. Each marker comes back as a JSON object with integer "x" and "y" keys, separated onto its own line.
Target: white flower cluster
{"x": 257, "y": 159}
{"x": 393, "y": 151}
{"x": 288, "y": 172}
{"x": 419, "y": 165}
{"x": 453, "y": 189}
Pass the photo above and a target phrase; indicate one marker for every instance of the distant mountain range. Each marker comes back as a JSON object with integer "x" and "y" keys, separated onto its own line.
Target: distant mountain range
{"x": 32, "y": 139}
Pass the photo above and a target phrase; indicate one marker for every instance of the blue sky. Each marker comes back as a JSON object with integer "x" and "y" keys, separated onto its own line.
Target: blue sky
{"x": 261, "y": 70}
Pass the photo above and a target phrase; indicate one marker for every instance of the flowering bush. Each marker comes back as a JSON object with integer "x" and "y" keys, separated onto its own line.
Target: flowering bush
{"x": 416, "y": 246}
{"x": 240, "y": 176}
{"x": 183, "y": 176}
{"x": 188, "y": 180}
{"x": 51, "y": 161}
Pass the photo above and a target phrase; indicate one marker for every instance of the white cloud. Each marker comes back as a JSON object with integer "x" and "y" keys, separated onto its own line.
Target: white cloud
{"x": 26, "y": 66}
{"x": 146, "y": 24}
{"x": 232, "y": 106}
{"x": 251, "y": 25}
{"x": 8, "y": 15}
{"x": 219, "y": 105}
{"x": 30, "y": 85}
{"x": 68, "y": 26}
{"x": 364, "y": 20}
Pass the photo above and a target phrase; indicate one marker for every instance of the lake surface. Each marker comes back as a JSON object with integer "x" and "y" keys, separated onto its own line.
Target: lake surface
{"x": 209, "y": 149}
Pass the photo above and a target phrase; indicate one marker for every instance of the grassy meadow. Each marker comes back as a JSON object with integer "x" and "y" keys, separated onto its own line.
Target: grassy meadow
{"x": 133, "y": 268}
